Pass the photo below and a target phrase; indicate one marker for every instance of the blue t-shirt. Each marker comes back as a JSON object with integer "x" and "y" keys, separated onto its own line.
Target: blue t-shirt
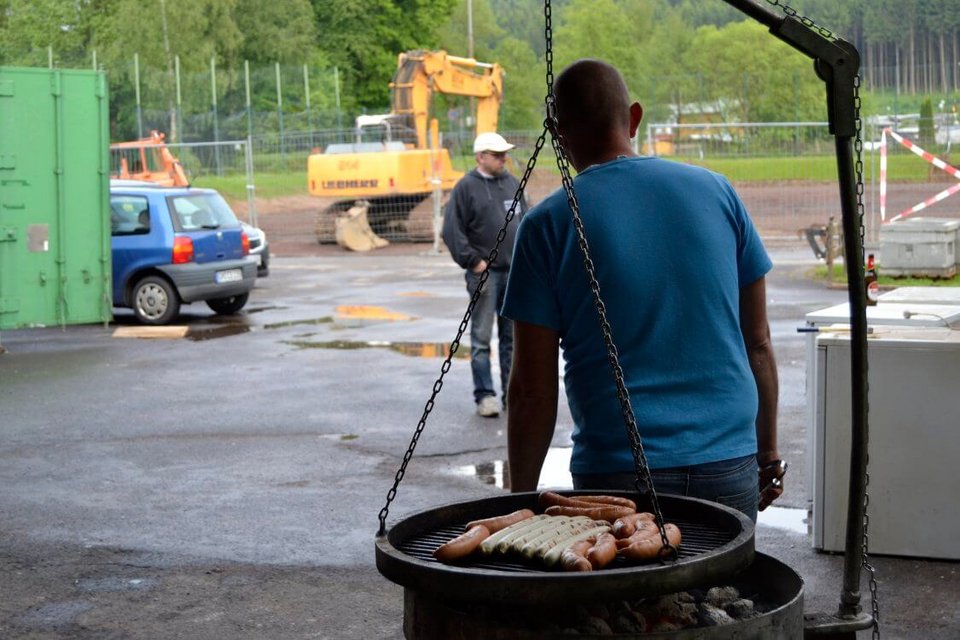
{"x": 672, "y": 245}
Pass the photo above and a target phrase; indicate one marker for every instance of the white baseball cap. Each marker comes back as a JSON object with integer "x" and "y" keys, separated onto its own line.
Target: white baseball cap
{"x": 491, "y": 142}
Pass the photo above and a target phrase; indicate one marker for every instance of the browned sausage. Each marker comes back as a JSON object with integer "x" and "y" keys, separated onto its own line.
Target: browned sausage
{"x": 463, "y": 545}
{"x": 643, "y": 549}
{"x": 550, "y": 499}
{"x": 572, "y": 558}
{"x": 627, "y": 526}
{"x": 501, "y": 522}
{"x": 614, "y": 500}
{"x": 645, "y": 528}
{"x": 608, "y": 513}
{"x": 603, "y": 551}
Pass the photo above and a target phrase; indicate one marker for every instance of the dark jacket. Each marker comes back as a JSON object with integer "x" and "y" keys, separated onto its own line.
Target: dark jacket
{"x": 474, "y": 216}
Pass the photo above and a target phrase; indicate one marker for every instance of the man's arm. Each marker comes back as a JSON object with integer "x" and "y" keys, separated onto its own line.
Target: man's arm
{"x": 531, "y": 402}
{"x": 756, "y": 337}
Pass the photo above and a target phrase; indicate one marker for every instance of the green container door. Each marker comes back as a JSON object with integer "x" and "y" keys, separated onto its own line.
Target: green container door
{"x": 54, "y": 198}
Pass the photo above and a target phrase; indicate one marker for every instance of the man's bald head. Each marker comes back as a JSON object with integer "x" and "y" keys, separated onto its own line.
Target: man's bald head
{"x": 592, "y": 99}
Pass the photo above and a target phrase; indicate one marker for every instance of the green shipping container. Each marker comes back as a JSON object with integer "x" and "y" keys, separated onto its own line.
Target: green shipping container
{"x": 54, "y": 198}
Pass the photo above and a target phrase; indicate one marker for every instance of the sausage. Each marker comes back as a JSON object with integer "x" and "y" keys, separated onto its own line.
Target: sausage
{"x": 501, "y": 522}
{"x": 572, "y": 558}
{"x": 627, "y": 526}
{"x": 550, "y": 499}
{"x": 643, "y": 549}
{"x": 463, "y": 545}
{"x": 644, "y": 529}
{"x": 603, "y": 551}
{"x": 608, "y": 513}
{"x": 613, "y": 500}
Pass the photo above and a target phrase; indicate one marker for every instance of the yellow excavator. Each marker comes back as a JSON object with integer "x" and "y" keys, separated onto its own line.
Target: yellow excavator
{"x": 377, "y": 184}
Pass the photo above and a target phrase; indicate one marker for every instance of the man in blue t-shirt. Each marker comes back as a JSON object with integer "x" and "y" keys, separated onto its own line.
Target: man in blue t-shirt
{"x": 681, "y": 273}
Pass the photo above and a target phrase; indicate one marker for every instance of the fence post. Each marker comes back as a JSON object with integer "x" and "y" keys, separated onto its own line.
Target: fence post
{"x": 136, "y": 81}
{"x": 94, "y": 59}
{"x": 179, "y": 116}
{"x": 280, "y": 114}
{"x": 246, "y": 82}
{"x": 216, "y": 123}
{"x": 251, "y": 195}
{"x": 336, "y": 95}
{"x": 306, "y": 93}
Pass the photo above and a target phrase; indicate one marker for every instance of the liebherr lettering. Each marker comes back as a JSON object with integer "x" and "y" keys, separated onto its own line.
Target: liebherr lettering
{"x": 349, "y": 184}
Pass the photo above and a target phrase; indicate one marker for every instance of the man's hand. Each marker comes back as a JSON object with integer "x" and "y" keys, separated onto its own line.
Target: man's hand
{"x": 480, "y": 266}
{"x": 771, "y": 482}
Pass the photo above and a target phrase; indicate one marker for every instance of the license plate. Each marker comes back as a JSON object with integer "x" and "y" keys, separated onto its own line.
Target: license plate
{"x": 230, "y": 275}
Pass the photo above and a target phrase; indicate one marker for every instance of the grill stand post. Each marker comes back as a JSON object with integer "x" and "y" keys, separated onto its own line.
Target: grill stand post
{"x": 837, "y": 63}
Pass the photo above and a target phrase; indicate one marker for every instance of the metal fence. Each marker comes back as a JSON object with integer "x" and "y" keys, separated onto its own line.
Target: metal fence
{"x": 784, "y": 172}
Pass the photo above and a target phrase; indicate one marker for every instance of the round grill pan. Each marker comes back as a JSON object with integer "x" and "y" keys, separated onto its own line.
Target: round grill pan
{"x": 717, "y": 542}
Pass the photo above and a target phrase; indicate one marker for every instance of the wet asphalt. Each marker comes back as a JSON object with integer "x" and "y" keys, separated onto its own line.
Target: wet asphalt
{"x": 227, "y": 484}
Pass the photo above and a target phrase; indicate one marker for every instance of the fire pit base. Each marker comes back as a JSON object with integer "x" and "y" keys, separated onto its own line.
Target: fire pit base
{"x": 776, "y": 588}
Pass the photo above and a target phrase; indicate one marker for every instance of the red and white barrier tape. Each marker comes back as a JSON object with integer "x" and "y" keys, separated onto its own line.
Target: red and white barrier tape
{"x": 929, "y": 157}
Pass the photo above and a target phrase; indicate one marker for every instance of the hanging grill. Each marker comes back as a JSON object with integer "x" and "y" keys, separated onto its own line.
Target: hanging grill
{"x": 717, "y": 542}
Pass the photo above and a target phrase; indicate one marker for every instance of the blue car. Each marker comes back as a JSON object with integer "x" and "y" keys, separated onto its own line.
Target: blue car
{"x": 176, "y": 245}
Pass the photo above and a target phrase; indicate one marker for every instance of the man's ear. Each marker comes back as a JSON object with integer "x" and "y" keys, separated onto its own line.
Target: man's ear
{"x": 636, "y": 115}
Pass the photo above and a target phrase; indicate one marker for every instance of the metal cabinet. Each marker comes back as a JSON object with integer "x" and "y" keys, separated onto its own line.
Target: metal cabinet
{"x": 914, "y": 419}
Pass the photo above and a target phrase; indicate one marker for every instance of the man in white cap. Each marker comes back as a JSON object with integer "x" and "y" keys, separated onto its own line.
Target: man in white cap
{"x": 472, "y": 220}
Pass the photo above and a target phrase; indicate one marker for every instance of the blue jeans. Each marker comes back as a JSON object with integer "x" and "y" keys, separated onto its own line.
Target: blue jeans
{"x": 481, "y": 329}
{"x": 729, "y": 482}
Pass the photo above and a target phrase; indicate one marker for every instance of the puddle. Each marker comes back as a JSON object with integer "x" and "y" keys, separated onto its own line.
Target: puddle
{"x": 294, "y": 323}
{"x": 793, "y": 520}
{"x": 415, "y": 349}
{"x": 98, "y": 585}
{"x": 554, "y": 475}
{"x": 198, "y": 334}
{"x": 369, "y": 312}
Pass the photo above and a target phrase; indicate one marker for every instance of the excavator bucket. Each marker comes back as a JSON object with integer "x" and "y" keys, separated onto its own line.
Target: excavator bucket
{"x": 353, "y": 231}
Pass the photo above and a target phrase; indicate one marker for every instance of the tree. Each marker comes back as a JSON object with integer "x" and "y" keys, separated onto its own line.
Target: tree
{"x": 364, "y": 37}
{"x": 276, "y": 32}
{"x": 926, "y": 131}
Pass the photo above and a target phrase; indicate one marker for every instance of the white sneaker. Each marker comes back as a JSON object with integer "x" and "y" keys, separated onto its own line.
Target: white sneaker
{"x": 488, "y": 407}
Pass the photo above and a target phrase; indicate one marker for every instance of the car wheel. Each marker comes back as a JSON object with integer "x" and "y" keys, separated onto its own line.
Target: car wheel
{"x": 263, "y": 270}
{"x": 228, "y": 306}
{"x": 155, "y": 301}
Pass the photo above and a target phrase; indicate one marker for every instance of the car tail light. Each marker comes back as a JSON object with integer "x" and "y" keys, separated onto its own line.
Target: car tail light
{"x": 245, "y": 240}
{"x": 182, "y": 249}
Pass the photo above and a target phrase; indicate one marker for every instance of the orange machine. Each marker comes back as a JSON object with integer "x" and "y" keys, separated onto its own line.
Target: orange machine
{"x": 147, "y": 159}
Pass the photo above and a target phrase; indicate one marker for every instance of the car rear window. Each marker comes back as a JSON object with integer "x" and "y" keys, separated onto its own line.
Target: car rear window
{"x": 202, "y": 211}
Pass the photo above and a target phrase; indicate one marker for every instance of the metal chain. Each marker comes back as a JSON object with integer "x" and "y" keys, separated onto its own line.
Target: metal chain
{"x": 464, "y": 323}
{"x": 642, "y": 469}
{"x": 807, "y": 22}
{"x": 858, "y": 150}
{"x": 872, "y": 580}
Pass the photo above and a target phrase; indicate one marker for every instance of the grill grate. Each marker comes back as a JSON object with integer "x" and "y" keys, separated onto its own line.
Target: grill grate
{"x": 716, "y": 542}
{"x": 697, "y": 538}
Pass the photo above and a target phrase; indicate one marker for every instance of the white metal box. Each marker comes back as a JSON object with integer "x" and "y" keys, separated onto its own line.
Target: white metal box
{"x": 919, "y": 247}
{"x": 914, "y": 420}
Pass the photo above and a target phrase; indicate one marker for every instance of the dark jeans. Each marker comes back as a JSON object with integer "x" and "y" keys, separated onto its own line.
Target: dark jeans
{"x": 730, "y": 482}
{"x": 481, "y": 329}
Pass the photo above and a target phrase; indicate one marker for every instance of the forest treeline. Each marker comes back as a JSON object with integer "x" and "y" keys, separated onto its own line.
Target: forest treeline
{"x": 672, "y": 52}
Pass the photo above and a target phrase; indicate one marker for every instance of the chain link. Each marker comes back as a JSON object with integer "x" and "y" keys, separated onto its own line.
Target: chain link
{"x": 805, "y": 21}
{"x": 641, "y": 467}
{"x": 464, "y": 323}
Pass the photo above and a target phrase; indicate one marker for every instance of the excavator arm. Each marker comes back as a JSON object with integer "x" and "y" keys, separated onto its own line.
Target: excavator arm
{"x": 420, "y": 74}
